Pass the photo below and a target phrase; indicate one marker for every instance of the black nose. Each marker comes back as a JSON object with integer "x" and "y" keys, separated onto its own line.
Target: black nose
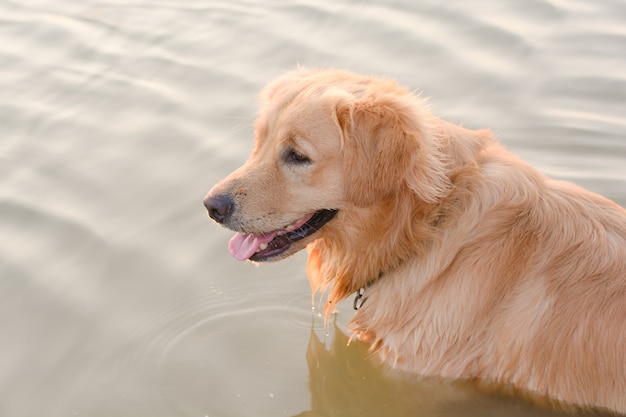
{"x": 220, "y": 207}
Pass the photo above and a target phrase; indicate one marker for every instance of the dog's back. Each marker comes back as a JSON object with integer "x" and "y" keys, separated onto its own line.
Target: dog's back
{"x": 526, "y": 286}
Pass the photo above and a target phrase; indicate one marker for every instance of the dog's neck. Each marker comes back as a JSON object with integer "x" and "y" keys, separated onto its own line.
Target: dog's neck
{"x": 332, "y": 263}
{"x": 410, "y": 233}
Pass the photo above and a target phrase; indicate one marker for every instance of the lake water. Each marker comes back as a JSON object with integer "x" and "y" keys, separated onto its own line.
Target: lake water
{"x": 117, "y": 294}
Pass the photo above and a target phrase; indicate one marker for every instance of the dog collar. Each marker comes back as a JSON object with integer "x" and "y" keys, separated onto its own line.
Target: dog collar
{"x": 360, "y": 299}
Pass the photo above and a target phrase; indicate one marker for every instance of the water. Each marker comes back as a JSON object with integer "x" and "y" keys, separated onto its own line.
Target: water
{"x": 117, "y": 295}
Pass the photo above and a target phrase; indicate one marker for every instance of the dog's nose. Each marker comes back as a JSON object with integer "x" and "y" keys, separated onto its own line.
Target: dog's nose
{"x": 220, "y": 207}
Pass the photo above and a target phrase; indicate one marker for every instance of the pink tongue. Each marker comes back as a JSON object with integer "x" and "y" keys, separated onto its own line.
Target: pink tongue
{"x": 243, "y": 246}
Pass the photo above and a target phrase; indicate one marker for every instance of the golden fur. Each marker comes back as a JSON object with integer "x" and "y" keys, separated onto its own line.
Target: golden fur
{"x": 474, "y": 264}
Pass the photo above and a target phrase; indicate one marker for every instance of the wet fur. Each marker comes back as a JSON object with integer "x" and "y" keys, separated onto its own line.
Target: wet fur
{"x": 475, "y": 264}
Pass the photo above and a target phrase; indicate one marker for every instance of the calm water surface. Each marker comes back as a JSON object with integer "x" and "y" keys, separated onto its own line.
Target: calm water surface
{"x": 118, "y": 296}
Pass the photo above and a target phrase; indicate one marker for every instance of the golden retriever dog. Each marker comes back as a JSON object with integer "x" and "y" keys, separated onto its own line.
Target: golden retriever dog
{"x": 466, "y": 261}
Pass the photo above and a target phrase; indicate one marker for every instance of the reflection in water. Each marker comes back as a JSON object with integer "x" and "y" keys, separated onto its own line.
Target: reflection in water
{"x": 346, "y": 380}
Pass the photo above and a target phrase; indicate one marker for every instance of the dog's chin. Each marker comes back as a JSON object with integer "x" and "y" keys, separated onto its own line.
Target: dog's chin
{"x": 288, "y": 243}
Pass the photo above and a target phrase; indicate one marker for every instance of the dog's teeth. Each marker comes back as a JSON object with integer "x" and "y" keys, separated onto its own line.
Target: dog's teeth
{"x": 262, "y": 246}
{"x": 279, "y": 233}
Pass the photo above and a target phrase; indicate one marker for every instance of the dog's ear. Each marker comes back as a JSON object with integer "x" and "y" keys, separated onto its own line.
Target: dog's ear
{"x": 389, "y": 143}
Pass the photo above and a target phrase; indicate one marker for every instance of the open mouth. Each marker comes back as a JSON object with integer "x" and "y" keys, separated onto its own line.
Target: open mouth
{"x": 262, "y": 246}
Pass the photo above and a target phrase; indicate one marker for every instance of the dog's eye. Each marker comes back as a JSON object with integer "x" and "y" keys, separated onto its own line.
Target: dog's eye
{"x": 294, "y": 157}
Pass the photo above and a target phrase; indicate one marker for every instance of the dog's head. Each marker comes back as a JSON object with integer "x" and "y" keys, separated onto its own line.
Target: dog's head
{"x": 333, "y": 153}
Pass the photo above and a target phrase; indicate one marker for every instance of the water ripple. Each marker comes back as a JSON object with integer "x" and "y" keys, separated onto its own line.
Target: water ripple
{"x": 219, "y": 316}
